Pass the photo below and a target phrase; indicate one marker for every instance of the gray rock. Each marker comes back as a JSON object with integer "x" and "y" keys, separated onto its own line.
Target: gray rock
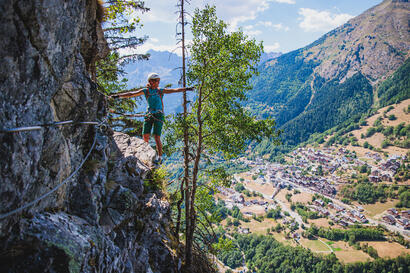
{"x": 102, "y": 220}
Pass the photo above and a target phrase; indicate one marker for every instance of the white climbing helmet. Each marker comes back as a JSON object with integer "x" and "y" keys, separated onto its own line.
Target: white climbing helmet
{"x": 152, "y": 76}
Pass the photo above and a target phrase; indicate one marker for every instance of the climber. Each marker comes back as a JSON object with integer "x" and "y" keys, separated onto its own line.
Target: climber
{"x": 155, "y": 112}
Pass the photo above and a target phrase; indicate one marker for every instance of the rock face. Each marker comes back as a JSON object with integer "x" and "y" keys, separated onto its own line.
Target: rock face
{"x": 101, "y": 220}
{"x": 375, "y": 43}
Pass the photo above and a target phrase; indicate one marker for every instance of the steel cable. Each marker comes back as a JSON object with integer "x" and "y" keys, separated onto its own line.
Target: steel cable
{"x": 5, "y": 215}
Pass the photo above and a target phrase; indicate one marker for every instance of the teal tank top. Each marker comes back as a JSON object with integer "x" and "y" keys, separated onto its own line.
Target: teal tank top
{"x": 154, "y": 99}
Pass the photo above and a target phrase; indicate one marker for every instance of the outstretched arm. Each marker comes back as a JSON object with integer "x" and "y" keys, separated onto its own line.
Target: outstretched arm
{"x": 130, "y": 94}
{"x": 176, "y": 90}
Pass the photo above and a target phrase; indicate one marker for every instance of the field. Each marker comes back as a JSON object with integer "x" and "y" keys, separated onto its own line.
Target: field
{"x": 259, "y": 227}
{"x": 352, "y": 256}
{"x": 256, "y": 209}
{"x": 321, "y": 222}
{"x": 266, "y": 188}
{"x": 303, "y": 197}
{"x": 376, "y": 209}
{"x": 314, "y": 245}
{"x": 387, "y": 249}
{"x": 282, "y": 196}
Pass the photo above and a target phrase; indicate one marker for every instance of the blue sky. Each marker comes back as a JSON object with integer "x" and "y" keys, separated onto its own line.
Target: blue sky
{"x": 282, "y": 25}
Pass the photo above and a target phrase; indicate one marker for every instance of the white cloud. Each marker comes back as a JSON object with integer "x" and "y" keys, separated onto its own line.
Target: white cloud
{"x": 285, "y": 1}
{"x": 237, "y": 11}
{"x": 231, "y": 11}
{"x": 271, "y": 48}
{"x": 251, "y": 31}
{"x": 269, "y": 24}
{"x": 280, "y": 26}
{"x": 314, "y": 20}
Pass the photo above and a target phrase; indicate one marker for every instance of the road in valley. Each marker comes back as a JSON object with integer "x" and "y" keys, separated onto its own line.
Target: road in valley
{"x": 298, "y": 218}
{"x": 374, "y": 222}
{"x": 293, "y": 214}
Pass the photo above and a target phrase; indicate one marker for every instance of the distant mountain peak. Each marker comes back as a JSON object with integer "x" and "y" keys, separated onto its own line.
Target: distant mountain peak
{"x": 374, "y": 43}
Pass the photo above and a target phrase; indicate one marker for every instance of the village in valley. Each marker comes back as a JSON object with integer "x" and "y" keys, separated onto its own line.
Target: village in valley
{"x": 305, "y": 191}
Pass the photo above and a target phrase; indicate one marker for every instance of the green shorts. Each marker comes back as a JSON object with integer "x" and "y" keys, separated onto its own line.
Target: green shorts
{"x": 157, "y": 120}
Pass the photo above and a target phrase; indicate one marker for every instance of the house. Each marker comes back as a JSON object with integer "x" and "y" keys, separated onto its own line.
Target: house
{"x": 374, "y": 178}
{"x": 360, "y": 208}
{"x": 243, "y": 230}
{"x": 389, "y": 219}
{"x": 403, "y": 222}
{"x": 393, "y": 211}
{"x": 296, "y": 236}
{"x": 406, "y": 214}
{"x": 319, "y": 202}
{"x": 386, "y": 177}
{"x": 343, "y": 223}
{"x": 238, "y": 198}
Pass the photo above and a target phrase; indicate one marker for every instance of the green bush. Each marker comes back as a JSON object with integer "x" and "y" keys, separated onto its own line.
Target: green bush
{"x": 371, "y": 131}
{"x": 385, "y": 143}
{"x": 392, "y": 117}
{"x": 388, "y": 131}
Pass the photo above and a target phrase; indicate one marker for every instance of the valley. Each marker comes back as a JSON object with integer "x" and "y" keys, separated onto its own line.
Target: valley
{"x": 312, "y": 189}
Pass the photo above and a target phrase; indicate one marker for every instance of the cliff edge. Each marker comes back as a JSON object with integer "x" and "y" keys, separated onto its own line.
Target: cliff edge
{"x": 102, "y": 219}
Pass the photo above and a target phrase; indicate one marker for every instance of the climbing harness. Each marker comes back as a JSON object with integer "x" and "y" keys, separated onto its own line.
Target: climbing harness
{"x": 138, "y": 115}
{"x": 101, "y": 125}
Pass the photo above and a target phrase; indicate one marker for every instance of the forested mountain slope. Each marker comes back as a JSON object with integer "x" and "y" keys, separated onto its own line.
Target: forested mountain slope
{"x": 339, "y": 76}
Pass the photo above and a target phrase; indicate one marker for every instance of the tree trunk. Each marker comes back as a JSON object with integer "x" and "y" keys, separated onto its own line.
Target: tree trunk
{"x": 188, "y": 242}
{"x": 192, "y": 211}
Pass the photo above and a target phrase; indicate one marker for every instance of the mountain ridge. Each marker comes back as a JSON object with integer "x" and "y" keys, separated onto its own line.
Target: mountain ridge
{"x": 302, "y": 87}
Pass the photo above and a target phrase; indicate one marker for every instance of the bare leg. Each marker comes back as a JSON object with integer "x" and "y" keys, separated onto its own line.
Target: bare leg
{"x": 146, "y": 137}
{"x": 159, "y": 144}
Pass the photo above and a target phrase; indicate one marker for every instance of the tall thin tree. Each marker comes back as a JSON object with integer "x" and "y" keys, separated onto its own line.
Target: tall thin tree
{"x": 184, "y": 186}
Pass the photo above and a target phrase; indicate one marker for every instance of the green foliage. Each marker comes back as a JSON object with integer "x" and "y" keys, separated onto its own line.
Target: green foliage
{"x": 284, "y": 85}
{"x": 221, "y": 211}
{"x": 239, "y": 187}
{"x": 396, "y": 88}
{"x": 274, "y": 213}
{"x": 349, "y": 235}
{"x": 265, "y": 254}
{"x": 370, "y": 250}
{"x": 385, "y": 143}
{"x": 377, "y": 122}
{"x": 404, "y": 199}
{"x": 304, "y": 211}
{"x": 109, "y": 75}
{"x": 232, "y": 258}
{"x": 388, "y": 130}
{"x": 392, "y": 117}
{"x": 364, "y": 169}
{"x": 366, "y": 192}
{"x": 156, "y": 181}
{"x": 370, "y": 131}
{"x": 220, "y": 66}
{"x": 120, "y": 27}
